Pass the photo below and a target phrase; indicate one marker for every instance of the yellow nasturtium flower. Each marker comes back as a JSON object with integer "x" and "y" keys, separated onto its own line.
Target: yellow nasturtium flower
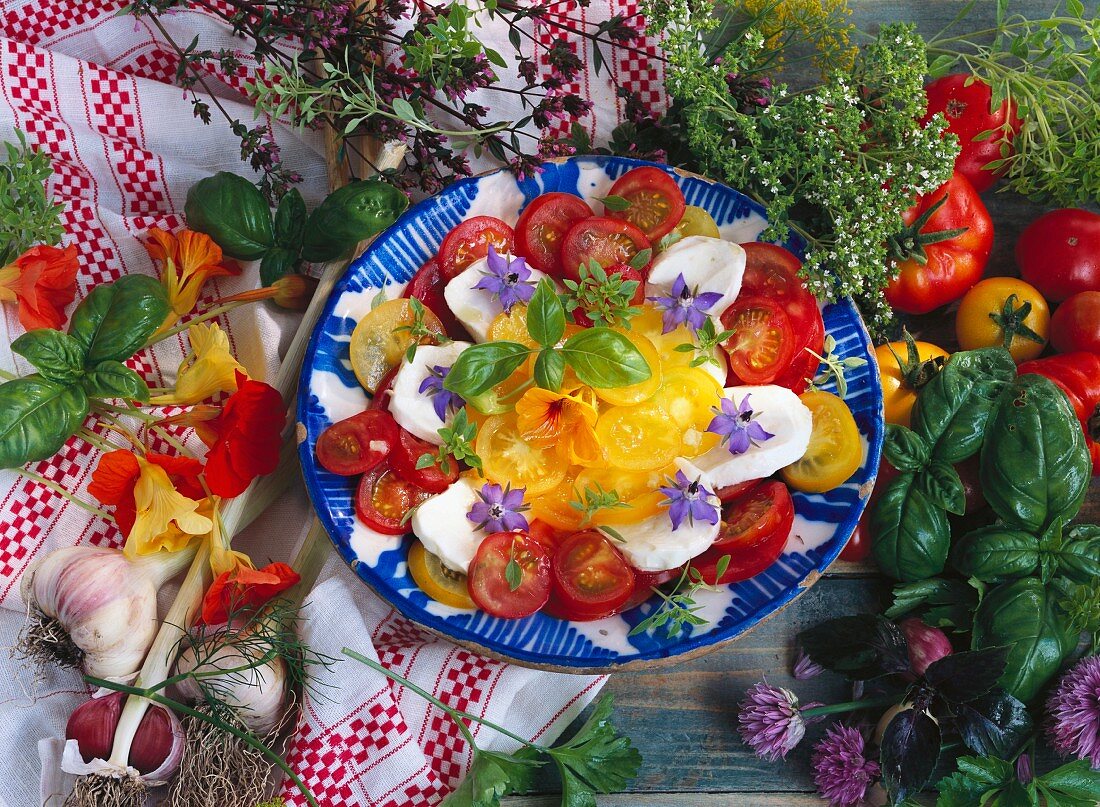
{"x": 166, "y": 519}
{"x": 210, "y": 369}
{"x": 565, "y": 418}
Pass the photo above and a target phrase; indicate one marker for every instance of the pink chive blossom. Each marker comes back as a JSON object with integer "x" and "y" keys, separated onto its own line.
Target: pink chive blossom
{"x": 1073, "y": 725}
{"x": 499, "y": 509}
{"x": 737, "y": 425}
{"x": 842, "y": 771}
{"x": 771, "y": 720}
{"x": 805, "y": 667}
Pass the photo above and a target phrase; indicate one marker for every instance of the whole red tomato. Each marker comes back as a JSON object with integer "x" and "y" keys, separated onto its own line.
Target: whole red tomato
{"x": 1078, "y": 374}
{"x": 967, "y": 110}
{"x": 943, "y": 249}
{"x": 1059, "y": 253}
{"x": 1076, "y": 324}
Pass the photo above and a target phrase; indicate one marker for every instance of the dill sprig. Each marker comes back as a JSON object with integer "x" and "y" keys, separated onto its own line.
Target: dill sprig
{"x": 28, "y": 216}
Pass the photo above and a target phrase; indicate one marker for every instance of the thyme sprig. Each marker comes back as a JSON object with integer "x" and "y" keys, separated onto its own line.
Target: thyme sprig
{"x": 27, "y": 214}
{"x": 678, "y": 606}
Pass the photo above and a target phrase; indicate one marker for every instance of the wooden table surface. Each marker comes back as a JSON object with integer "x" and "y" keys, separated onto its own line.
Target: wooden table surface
{"x": 683, "y": 719}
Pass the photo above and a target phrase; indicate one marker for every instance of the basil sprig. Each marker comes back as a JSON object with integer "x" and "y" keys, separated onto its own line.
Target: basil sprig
{"x": 600, "y": 357}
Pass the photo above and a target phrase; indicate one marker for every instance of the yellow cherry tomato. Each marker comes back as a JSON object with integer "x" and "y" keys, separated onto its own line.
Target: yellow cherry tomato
{"x": 510, "y": 327}
{"x": 900, "y": 382}
{"x": 436, "y": 580}
{"x": 638, "y": 490}
{"x": 835, "y": 451}
{"x": 638, "y": 438}
{"x": 1004, "y": 309}
{"x": 689, "y": 394}
{"x": 648, "y": 323}
{"x": 697, "y": 221}
{"x": 643, "y": 390}
{"x": 553, "y": 506}
{"x": 381, "y": 338}
{"x": 508, "y": 458}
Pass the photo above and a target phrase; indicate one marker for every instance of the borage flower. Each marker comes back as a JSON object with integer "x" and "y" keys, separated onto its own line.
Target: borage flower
{"x": 188, "y": 260}
{"x": 689, "y": 500}
{"x": 737, "y": 425}
{"x": 210, "y": 369}
{"x": 771, "y": 720}
{"x": 509, "y": 280}
{"x": 116, "y": 476}
{"x": 499, "y": 509}
{"x": 684, "y": 306}
{"x": 42, "y": 282}
{"x": 565, "y": 419}
{"x": 443, "y": 400}
{"x": 245, "y": 438}
{"x": 842, "y": 771}
{"x": 245, "y": 588}
{"x": 1073, "y": 725}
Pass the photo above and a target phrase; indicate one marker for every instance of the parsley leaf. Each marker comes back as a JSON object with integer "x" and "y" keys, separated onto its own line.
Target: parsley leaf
{"x": 491, "y": 776}
{"x": 597, "y": 759}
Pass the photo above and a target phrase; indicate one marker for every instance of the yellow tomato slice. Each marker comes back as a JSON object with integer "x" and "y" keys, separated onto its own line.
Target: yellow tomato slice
{"x": 638, "y": 438}
{"x": 376, "y": 343}
{"x": 689, "y": 395}
{"x": 553, "y": 506}
{"x": 649, "y": 324}
{"x": 697, "y": 221}
{"x": 636, "y": 489}
{"x": 835, "y": 451}
{"x": 508, "y": 458}
{"x": 510, "y": 327}
{"x": 643, "y": 390}
{"x": 436, "y": 580}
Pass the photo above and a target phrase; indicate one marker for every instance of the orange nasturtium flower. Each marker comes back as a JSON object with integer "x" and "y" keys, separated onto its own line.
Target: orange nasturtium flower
{"x": 42, "y": 282}
{"x": 189, "y": 259}
{"x": 565, "y": 418}
{"x": 245, "y": 587}
{"x": 209, "y": 370}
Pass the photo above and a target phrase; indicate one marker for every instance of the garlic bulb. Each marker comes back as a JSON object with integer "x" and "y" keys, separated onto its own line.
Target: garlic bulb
{"x": 96, "y": 609}
{"x": 155, "y": 753}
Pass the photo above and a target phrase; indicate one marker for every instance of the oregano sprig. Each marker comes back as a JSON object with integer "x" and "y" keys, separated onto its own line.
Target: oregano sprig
{"x": 458, "y": 442}
{"x": 604, "y": 298}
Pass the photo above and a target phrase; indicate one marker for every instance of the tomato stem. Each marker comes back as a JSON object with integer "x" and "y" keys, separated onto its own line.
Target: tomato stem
{"x": 1013, "y": 322}
{"x": 909, "y": 243}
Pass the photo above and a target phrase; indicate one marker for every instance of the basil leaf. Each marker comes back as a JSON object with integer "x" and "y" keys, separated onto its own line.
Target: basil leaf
{"x": 908, "y": 753}
{"x": 276, "y": 263}
{"x": 1077, "y": 780}
{"x": 116, "y": 319}
{"x": 56, "y": 355}
{"x": 549, "y": 369}
{"x": 905, "y": 449}
{"x": 290, "y": 221}
{"x": 545, "y": 315}
{"x": 995, "y": 554}
{"x": 940, "y": 482}
{"x": 941, "y": 603}
{"x": 605, "y": 358}
{"x": 860, "y": 647}
{"x": 37, "y": 416}
{"x": 953, "y": 407}
{"x": 967, "y": 675}
{"x": 233, "y": 212}
{"x": 1035, "y": 465}
{"x": 912, "y": 534}
{"x": 616, "y": 204}
{"x": 1024, "y": 616}
{"x": 112, "y": 379}
{"x": 994, "y": 725}
{"x": 353, "y": 213}
{"x": 481, "y": 367}
{"x": 1079, "y": 556}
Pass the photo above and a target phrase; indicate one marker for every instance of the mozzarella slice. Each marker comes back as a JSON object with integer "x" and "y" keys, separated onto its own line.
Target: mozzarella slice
{"x": 781, "y": 414}
{"x": 442, "y": 526}
{"x": 410, "y": 407}
{"x": 476, "y": 308}
{"x": 707, "y": 264}
{"x": 653, "y": 546}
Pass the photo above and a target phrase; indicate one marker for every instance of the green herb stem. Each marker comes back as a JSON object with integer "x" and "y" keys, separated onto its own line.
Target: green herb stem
{"x": 212, "y": 313}
{"x": 850, "y": 706}
{"x": 58, "y": 489}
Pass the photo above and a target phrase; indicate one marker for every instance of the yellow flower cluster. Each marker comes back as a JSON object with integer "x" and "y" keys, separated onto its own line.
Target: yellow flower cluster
{"x": 824, "y": 25}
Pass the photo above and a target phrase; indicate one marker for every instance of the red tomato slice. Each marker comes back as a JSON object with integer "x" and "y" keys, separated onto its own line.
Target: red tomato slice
{"x": 645, "y": 582}
{"x": 591, "y": 578}
{"x": 408, "y": 451}
{"x": 382, "y": 395}
{"x": 356, "y": 444}
{"x": 743, "y": 563}
{"x": 542, "y": 226}
{"x": 427, "y": 286}
{"x": 734, "y": 492}
{"x": 607, "y": 241}
{"x": 488, "y": 581}
{"x": 384, "y": 499}
{"x": 470, "y": 240}
{"x": 762, "y": 345}
{"x": 656, "y": 202}
{"x": 752, "y": 519}
{"x": 772, "y": 271}
{"x": 546, "y": 535}
{"x": 804, "y": 364}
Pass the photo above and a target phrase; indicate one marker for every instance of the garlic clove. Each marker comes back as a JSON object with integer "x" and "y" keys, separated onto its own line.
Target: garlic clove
{"x": 158, "y": 744}
{"x": 92, "y": 724}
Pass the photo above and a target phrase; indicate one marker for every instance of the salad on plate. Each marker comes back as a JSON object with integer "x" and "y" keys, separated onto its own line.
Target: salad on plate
{"x": 570, "y": 413}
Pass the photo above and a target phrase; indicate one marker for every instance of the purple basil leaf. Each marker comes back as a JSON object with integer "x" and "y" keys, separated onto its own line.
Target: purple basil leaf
{"x": 909, "y": 751}
{"x": 962, "y": 677}
{"x": 860, "y": 647}
{"x": 996, "y": 724}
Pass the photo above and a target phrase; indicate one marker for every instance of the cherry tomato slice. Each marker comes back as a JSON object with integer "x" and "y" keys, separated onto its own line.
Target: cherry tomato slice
{"x": 772, "y": 271}
{"x": 407, "y": 452}
{"x": 356, "y": 444}
{"x": 436, "y": 580}
{"x": 427, "y": 286}
{"x": 645, "y": 582}
{"x": 488, "y": 579}
{"x": 734, "y": 492}
{"x": 469, "y": 241}
{"x": 751, "y": 519}
{"x": 591, "y": 578}
{"x": 743, "y": 563}
{"x": 384, "y": 392}
{"x": 656, "y": 203}
{"x": 804, "y": 364}
{"x": 384, "y": 499}
{"x": 542, "y": 226}
{"x": 607, "y": 241}
{"x": 762, "y": 344}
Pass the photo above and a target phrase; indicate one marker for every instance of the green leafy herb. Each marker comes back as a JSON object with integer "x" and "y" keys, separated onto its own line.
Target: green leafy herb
{"x": 481, "y": 367}
{"x": 549, "y": 369}
{"x": 116, "y": 319}
{"x": 707, "y": 341}
{"x": 993, "y": 781}
{"x": 545, "y": 315}
{"x": 597, "y": 759}
{"x": 27, "y": 215}
{"x": 604, "y": 358}
{"x": 594, "y": 499}
{"x": 668, "y": 240}
{"x": 458, "y": 442}
{"x": 37, "y": 416}
{"x": 513, "y": 572}
{"x": 678, "y": 607}
{"x": 605, "y": 299}
{"x": 418, "y": 331}
{"x": 616, "y": 204}
{"x": 640, "y": 259}
{"x": 56, "y": 355}
{"x": 835, "y": 367}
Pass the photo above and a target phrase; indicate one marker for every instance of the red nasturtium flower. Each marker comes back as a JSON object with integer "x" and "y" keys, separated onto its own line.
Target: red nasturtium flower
{"x": 245, "y": 438}
{"x": 245, "y": 588}
{"x": 114, "y": 480}
{"x": 42, "y": 281}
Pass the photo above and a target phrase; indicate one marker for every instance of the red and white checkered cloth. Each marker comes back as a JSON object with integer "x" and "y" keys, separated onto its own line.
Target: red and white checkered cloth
{"x": 96, "y": 92}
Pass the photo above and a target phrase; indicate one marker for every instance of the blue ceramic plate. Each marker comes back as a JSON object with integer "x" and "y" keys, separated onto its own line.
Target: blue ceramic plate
{"x": 329, "y": 392}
